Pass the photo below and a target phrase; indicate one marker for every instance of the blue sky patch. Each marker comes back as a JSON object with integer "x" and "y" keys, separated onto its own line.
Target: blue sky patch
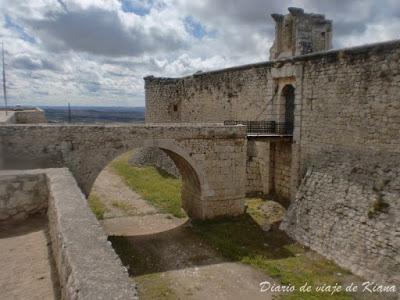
{"x": 138, "y": 7}
{"x": 9, "y": 23}
{"x": 196, "y": 29}
{"x": 93, "y": 87}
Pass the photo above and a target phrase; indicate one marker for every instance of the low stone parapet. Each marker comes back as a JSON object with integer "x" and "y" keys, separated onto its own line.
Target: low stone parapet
{"x": 23, "y": 116}
{"x": 87, "y": 266}
{"x": 31, "y": 116}
{"x": 7, "y": 117}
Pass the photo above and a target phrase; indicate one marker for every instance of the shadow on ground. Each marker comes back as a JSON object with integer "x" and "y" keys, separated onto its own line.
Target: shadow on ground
{"x": 142, "y": 253}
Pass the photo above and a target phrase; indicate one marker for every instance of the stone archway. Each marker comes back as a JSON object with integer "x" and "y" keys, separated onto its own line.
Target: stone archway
{"x": 194, "y": 184}
{"x": 192, "y": 175}
{"x": 213, "y": 157}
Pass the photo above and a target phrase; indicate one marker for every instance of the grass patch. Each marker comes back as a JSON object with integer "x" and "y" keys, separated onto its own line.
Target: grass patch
{"x": 154, "y": 286}
{"x": 378, "y": 206}
{"x": 253, "y": 208}
{"x": 241, "y": 239}
{"x": 154, "y": 186}
{"x": 126, "y": 207}
{"x": 97, "y": 207}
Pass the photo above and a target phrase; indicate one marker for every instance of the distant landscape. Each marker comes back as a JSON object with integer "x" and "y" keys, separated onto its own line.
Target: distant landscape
{"x": 92, "y": 114}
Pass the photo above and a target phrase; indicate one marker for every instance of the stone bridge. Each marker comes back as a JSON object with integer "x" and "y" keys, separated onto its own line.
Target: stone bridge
{"x": 211, "y": 158}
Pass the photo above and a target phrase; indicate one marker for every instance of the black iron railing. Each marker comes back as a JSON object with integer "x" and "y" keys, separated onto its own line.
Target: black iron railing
{"x": 264, "y": 127}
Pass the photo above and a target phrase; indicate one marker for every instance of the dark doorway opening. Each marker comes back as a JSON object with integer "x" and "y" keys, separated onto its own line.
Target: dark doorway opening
{"x": 288, "y": 94}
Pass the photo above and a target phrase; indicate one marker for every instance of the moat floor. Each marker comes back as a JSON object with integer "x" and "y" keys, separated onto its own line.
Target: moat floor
{"x": 173, "y": 258}
{"x": 184, "y": 267}
{"x": 177, "y": 265}
{"x": 26, "y": 270}
{"x": 137, "y": 217}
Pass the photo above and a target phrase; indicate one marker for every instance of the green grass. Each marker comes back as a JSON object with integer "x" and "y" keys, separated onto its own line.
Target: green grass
{"x": 253, "y": 208}
{"x": 156, "y": 187}
{"x": 97, "y": 207}
{"x": 154, "y": 286}
{"x": 240, "y": 239}
{"x": 126, "y": 207}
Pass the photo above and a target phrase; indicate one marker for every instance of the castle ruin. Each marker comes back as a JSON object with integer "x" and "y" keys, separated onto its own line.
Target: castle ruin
{"x": 316, "y": 128}
{"x": 323, "y": 133}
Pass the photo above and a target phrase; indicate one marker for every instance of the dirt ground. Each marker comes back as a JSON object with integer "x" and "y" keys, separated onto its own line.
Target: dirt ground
{"x": 174, "y": 262}
{"x": 132, "y": 215}
{"x": 27, "y": 271}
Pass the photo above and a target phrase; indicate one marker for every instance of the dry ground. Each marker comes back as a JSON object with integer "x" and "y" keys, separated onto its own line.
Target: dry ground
{"x": 27, "y": 270}
{"x": 126, "y": 212}
{"x": 170, "y": 262}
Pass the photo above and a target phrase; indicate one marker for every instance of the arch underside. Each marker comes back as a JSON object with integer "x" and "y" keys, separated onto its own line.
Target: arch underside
{"x": 191, "y": 188}
{"x": 191, "y": 174}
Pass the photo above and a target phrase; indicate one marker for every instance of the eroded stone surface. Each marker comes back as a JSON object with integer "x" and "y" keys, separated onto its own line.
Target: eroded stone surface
{"x": 22, "y": 195}
{"x": 349, "y": 211}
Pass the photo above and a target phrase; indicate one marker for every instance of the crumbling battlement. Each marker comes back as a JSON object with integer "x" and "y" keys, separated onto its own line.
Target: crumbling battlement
{"x": 300, "y": 33}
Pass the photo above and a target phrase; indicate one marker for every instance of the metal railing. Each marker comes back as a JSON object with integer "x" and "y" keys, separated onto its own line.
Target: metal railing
{"x": 264, "y": 127}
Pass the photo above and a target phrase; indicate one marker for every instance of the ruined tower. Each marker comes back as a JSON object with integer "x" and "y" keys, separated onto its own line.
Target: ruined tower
{"x": 300, "y": 33}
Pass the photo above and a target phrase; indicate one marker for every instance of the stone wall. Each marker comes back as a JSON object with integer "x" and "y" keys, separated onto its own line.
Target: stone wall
{"x": 22, "y": 195}
{"x": 7, "y": 119}
{"x": 348, "y": 137}
{"x": 211, "y": 158}
{"x": 348, "y": 209}
{"x": 281, "y": 159}
{"x": 30, "y": 116}
{"x": 87, "y": 265}
{"x": 268, "y": 168}
{"x": 350, "y": 99}
{"x": 254, "y": 185}
{"x": 26, "y": 116}
{"x": 155, "y": 157}
{"x": 232, "y": 94}
{"x": 258, "y": 167}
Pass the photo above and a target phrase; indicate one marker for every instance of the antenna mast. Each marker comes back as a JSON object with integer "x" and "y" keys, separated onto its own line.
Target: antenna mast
{"x": 69, "y": 113}
{"x": 4, "y": 80}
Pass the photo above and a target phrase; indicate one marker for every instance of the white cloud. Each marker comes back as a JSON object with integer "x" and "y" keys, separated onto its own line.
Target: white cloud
{"x": 91, "y": 52}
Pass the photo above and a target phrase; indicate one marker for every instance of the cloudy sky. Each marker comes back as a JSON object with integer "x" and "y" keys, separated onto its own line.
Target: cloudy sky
{"x": 96, "y": 52}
